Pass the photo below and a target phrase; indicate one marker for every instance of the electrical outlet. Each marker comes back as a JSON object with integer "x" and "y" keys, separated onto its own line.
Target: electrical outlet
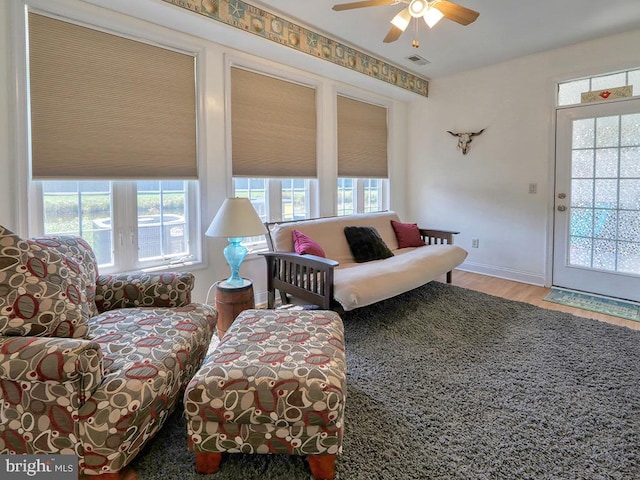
{"x": 475, "y": 243}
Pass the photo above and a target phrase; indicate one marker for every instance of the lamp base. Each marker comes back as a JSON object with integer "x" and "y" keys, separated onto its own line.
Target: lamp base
{"x": 235, "y": 253}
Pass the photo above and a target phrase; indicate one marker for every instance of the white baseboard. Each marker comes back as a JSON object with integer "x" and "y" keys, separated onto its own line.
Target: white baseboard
{"x": 502, "y": 272}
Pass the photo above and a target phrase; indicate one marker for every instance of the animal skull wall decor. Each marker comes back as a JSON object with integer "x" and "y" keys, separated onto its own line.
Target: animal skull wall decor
{"x": 464, "y": 139}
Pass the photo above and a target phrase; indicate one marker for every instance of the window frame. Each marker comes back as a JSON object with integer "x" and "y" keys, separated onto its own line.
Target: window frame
{"x": 124, "y": 218}
{"x": 28, "y": 197}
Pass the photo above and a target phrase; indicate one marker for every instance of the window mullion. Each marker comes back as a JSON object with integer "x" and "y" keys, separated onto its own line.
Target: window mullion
{"x": 124, "y": 225}
{"x": 359, "y": 200}
{"x": 274, "y": 206}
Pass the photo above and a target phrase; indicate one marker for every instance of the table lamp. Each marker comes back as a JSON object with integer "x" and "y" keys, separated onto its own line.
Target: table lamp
{"x": 235, "y": 220}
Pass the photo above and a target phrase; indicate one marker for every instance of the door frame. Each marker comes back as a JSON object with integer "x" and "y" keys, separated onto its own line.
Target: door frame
{"x": 553, "y": 200}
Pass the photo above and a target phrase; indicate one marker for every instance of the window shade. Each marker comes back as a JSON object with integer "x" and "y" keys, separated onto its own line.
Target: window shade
{"x": 273, "y": 126}
{"x": 362, "y": 139}
{"x": 103, "y": 106}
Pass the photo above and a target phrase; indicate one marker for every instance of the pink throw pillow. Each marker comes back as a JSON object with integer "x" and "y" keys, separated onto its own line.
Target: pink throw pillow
{"x": 305, "y": 245}
{"x": 407, "y": 234}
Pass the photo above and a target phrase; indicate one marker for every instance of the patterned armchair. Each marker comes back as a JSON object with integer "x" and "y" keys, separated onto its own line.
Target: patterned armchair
{"x": 91, "y": 364}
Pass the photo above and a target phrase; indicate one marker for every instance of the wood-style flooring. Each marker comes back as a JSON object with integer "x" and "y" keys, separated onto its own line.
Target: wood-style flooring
{"x": 523, "y": 292}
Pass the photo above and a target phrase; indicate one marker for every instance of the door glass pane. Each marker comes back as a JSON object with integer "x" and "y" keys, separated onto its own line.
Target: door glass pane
{"x": 607, "y": 163}
{"x": 605, "y": 224}
{"x": 582, "y": 164}
{"x": 583, "y": 133}
{"x": 629, "y": 226}
{"x": 581, "y": 193}
{"x": 581, "y": 221}
{"x": 580, "y": 251}
{"x": 607, "y": 131}
{"x": 629, "y": 257}
{"x": 605, "y": 194}
{"x": 630, "y": 162}
{"x": 630, "y": 130}
{"x": 604, "y": 254}
{"x": 630, "y": 194}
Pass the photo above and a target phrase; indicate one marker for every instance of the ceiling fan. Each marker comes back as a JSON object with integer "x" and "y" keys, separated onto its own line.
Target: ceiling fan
{"x": 432, "y": 11}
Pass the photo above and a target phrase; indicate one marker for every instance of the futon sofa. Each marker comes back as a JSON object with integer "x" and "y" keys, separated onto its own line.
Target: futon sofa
{"x": 90, "y": 364}
{"x": 331, "y": 273}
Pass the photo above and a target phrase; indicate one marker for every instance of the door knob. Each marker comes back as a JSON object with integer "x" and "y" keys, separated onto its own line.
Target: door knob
{"x": 561, "y": 208}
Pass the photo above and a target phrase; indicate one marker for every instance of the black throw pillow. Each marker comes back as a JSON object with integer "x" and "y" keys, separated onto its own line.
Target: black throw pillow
{"x": 366, "y": 244}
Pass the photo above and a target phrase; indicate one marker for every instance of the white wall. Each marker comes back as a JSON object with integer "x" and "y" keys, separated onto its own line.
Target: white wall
{"x": 143, "y": 19}
{"x": 7, "y": 179}
{"x": 484, "y": 194}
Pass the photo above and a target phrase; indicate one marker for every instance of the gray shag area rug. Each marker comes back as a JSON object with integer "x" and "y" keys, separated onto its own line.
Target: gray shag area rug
{"x": 448, "y": 383}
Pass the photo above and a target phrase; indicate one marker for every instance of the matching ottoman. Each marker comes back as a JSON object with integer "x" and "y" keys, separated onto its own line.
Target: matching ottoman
{"x": 276, "y": 383}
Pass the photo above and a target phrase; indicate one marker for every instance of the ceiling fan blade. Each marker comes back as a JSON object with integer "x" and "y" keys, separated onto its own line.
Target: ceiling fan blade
{"x": 366, "y": 3}
{"x": 393, "y": 34}
{"x": 457, "y": 13}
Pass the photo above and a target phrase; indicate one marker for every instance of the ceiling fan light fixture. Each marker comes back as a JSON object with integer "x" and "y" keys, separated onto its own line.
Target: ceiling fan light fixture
{"x": 417, "y": 8}
{"x": 432, "y": 16}
{"x": 402, "y": 19}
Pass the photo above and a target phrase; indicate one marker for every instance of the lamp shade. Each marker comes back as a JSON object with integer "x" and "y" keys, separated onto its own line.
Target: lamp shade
{"x": 236, "y": 218}
{"x": 432, "y": 16}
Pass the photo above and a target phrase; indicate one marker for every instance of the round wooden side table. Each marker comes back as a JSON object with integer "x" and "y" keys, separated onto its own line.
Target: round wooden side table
{"x": 230, "y": 301}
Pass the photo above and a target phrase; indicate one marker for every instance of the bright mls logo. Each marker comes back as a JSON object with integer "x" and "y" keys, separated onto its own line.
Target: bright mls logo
{"x": 45, "y": 467}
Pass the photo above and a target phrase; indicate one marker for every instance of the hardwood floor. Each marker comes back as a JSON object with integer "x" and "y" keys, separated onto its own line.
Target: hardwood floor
{"x": 527, "y": 293}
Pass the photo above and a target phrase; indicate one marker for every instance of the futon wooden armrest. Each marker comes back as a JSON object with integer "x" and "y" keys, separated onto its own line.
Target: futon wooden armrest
{"x": 310, "y": 260}
{"x": 435, "y": 237}
{"x": 306, "y": 277}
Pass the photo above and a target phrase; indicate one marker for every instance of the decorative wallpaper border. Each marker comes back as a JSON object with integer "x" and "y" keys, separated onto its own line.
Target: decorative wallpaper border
{"x": 243, "y": 16}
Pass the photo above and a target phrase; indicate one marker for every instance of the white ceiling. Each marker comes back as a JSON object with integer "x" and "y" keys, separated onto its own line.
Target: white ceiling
{"x": 504, "y": 30}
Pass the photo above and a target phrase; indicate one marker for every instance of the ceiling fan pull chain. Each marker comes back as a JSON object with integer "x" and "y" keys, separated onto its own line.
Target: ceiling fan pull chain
{"x": 415, "y": 43}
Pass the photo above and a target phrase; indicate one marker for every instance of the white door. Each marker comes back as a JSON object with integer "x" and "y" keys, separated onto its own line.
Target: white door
{"x": 597, "y": 199}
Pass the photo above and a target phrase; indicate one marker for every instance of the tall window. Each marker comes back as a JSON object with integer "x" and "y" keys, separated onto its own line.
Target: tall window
{"x": 362, "y": 157}
{"x": 274, "y": 137}
{"x": 113, "y": 158}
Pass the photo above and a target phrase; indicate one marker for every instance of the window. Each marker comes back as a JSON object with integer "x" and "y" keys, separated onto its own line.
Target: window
{"x": 361, "y": 195}
{"x": 274, "y": 136}
{"x": 159, "y": 234}
{"x": 570, "y": 93}
{"x": 113, "y": 159}
{"x": 362, "y": 157}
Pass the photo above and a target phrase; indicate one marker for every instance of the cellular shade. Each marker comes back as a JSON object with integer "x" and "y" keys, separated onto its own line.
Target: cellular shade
{"x": 104, "y": 106}
{"x": 273, "y": 126}
{"x": 362, "y": 139}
